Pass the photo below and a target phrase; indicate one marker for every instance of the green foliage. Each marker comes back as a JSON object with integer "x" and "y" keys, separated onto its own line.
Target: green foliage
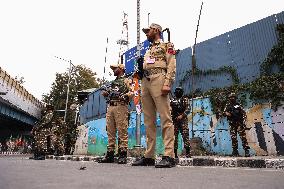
{"x": 265, "y": 88}
{"x": 276, "y": 55}
{"x": 225, "y": 69}
{"x": 81, "y": 78}
{"x": 269, "y": 88}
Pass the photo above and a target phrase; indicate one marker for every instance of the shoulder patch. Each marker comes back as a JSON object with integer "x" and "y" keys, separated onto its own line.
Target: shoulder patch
{"x": 170, "y": 48}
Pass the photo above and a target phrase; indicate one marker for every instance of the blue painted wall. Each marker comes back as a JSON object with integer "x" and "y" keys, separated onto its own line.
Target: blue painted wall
{"x": 214, "y": 133}
{"x": 244, "y": 49}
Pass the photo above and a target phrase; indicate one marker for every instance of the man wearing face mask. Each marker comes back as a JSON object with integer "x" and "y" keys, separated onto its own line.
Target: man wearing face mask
{"x": 180, "y": 109}
{"x": 159, "y": 67}
{"x": 119, "y": 96}
{"x": 236, "y": 116}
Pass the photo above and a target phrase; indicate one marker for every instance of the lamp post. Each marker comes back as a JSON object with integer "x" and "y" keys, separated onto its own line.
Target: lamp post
{"x": 68, "y": 84}
{"x": 193, "y": 64}
{"x": 138, "y": 114}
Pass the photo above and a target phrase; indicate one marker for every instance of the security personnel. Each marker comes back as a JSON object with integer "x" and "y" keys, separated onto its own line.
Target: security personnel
{"x": 180, "y": 109}
{"x": 58, "y": 131}
{"x": 159, "y": 67}
{"x": 118, "y": 96}
{"x": 236, "y": 116}
{"x": 40, "y": 133}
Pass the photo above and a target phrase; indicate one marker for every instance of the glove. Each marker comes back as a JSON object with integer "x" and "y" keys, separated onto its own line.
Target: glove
{"x": 140, "y": 71}
{"x": 140, "y": 62}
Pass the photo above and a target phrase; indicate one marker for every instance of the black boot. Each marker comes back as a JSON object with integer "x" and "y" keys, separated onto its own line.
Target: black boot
{"x": 235, "y": 153}
{"x": 109, "y": 158}
{"x": 122, "y": 159}
{"x": 41, "y": 156}
{"x": 166, "y": 162}
{"x": 36, "y": 155}
{"x": 176, "y": 153}
{"x": 247, "y": 154}
{"x": 144, "y": 162}
{"x": 187, "y": 152}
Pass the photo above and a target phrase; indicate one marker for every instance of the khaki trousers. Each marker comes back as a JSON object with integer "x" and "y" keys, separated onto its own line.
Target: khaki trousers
{"x": 152, "y": 102}
{"x": 117, "y": 119}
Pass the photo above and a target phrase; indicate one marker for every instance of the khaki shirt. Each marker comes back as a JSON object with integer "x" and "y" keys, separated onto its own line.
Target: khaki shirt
{"x": 161, "y": 55}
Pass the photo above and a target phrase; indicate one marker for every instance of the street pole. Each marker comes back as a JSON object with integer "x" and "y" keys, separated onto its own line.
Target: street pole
{"x": 68, "y": 84}
{"x": 68, "y": 88}
{"x": 138, "y": 114}
{"x": 193, "y": 69}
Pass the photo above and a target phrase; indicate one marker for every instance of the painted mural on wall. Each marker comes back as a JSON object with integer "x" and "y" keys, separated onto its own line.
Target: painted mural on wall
{"x": 81, "y": 145}
{"x": 265, "y": 131}
{"x": 224, "y": 61}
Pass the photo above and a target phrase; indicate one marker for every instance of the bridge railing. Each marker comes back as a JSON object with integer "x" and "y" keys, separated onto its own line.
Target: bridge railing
{"x": 17, "y": 95}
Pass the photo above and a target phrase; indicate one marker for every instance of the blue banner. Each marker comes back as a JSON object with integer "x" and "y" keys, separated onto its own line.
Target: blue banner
{"x": 130, "y": 56}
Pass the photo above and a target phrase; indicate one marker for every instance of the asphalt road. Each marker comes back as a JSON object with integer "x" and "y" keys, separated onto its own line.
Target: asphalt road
{"x": 20, "y": 172}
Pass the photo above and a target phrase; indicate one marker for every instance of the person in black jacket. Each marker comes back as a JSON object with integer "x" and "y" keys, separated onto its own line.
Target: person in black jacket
{"x": 180, "y": 109}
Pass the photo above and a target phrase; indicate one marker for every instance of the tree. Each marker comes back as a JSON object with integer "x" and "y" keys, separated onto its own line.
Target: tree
{"x": 81, "y": 78}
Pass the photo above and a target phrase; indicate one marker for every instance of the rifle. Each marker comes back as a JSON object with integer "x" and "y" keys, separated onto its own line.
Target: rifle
{"x": 113, "y": 94}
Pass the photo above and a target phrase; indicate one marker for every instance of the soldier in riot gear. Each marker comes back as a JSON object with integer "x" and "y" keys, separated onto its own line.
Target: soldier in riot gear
{"x": 236, "y": 116}
{"x": 40, "y": 133}
{"x": 179, "y": 111}
{"x": 118, "y": 96}
{"x": 58, "y": 131}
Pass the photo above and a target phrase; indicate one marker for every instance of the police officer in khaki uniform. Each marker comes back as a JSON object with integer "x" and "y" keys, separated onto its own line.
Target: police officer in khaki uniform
{"x": 119, "y": 95}
{"x": 159, "y": 67}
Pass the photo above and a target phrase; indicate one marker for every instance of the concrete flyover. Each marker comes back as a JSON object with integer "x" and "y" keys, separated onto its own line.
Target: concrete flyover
{"x": 19, "y": 110}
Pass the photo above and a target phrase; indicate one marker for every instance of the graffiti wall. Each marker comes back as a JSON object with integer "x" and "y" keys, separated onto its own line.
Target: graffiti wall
{"x": 265, "y": 131}
{"x": 233, "y": 57}
{"x": 81, "y": 145}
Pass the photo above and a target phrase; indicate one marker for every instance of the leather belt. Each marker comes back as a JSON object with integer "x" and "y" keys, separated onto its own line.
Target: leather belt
{"x": 153, "y": 71}
{"x": 117, "y": 103}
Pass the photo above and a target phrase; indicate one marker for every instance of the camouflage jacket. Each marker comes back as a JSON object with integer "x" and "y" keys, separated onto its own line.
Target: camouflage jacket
{"x": 59, "y": 128}
{"x": 120, "y": 90}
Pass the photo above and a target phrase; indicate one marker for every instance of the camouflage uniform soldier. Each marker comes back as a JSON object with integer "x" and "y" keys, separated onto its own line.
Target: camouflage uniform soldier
{"x": 179, "y": 105}
{"x": 236, "y": 117}
{"x": 58, "y": 132}
{"x": 118, "y": 96}
{"x": 40, "y": 132}
{"x": 159, "y": 67}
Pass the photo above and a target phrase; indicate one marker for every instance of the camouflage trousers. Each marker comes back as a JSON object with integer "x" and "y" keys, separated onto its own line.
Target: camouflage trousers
{"x": 58, "y": 144}
{"x": 235, "y": 128}
{"x": 117, "y": 120}
{"x": 182, "y": 127}
{"x": 42, "y": 140}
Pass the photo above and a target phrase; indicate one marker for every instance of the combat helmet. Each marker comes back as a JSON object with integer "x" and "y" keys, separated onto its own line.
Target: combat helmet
{"x": 179, "y": 92}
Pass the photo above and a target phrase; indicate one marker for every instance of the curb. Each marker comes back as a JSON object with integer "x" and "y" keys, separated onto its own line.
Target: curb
{"x": 251, "y": 162}
{"x": 11, "y": 153}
